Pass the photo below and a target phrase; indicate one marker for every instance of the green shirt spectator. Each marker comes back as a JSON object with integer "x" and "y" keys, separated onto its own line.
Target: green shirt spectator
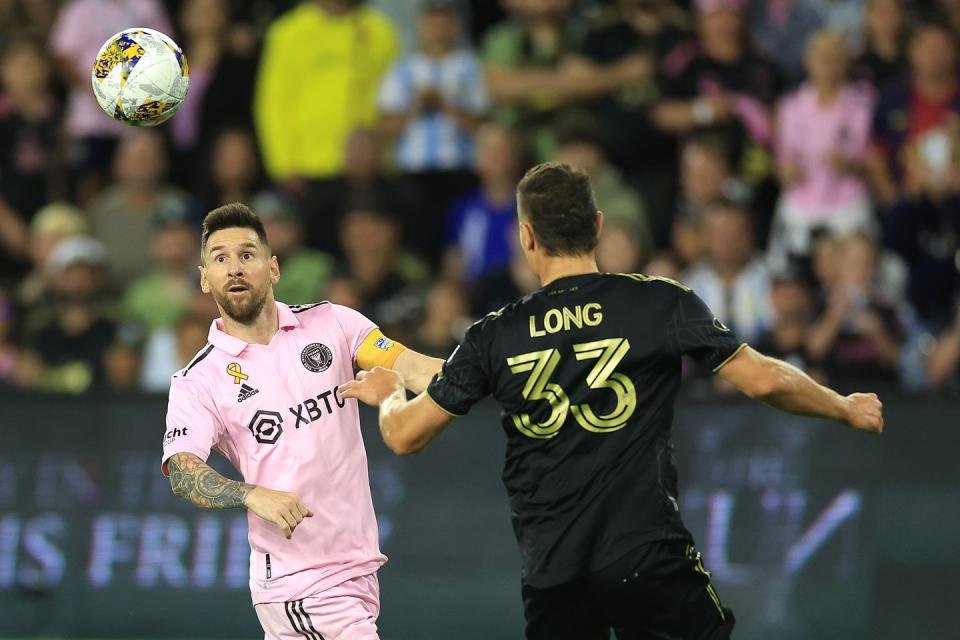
{"x": 304, "y": 273}
{"x": 159, "y": 298}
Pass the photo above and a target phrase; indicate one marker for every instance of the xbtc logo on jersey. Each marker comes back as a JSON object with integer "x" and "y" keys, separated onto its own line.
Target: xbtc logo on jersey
{"x": 266, "y": 426}
{"x": 316, "y": 357}
{"x": 310, "y": 410}
{"x": 384, "y": 344}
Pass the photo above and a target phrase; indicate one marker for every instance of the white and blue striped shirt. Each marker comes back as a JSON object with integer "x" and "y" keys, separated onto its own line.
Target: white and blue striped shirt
{"x": 434, "y": 141}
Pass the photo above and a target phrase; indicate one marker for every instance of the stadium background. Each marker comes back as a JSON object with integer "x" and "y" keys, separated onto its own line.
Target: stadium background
{"x": 813, "y": 204}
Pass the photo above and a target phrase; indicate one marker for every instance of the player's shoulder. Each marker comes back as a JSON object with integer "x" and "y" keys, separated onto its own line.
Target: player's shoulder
{"x": 648, "y": 283}
{"x": 312, "y": 310}
{"x": 494, "y": 319}
{"x": 325, "y": 315}
{"x": 196, "y": 367}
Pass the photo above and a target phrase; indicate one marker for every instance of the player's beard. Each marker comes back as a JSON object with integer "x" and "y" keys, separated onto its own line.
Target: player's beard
{"x": 245, "y": 309}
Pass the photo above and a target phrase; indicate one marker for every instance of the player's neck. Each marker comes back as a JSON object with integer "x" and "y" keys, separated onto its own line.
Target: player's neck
{"x": 554, "y": 268}
{"x": 260, "y": 331}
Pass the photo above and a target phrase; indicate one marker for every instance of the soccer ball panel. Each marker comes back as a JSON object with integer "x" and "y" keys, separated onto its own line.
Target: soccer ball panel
{"x": 140, "y": 77}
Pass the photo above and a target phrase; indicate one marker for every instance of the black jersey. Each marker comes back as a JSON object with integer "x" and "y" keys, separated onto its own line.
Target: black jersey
{"x": 586, "y": 370}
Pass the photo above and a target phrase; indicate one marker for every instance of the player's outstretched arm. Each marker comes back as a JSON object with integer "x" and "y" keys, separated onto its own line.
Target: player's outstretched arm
{"x": 417, "y": 369}
{"x": 195, "y": 481}
{"x": 787, "y": 388}
{"x": 407, "y": 426}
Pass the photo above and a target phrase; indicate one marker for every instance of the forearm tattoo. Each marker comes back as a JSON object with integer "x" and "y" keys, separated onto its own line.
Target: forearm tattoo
{"x": 194, "y": 480}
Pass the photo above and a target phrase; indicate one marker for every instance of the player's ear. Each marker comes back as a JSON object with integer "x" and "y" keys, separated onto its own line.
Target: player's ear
{"x": 204, "y": 285}
{"x": 274, "y": 270}
{"x": 528, "y": 241}
{"x": 599, "y": 223}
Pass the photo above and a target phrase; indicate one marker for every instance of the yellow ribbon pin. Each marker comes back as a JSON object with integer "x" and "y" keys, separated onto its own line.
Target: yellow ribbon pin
{"x": 234, "y": 370}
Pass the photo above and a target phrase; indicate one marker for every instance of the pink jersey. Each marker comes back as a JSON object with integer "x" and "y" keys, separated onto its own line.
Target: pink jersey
{"x": 807, "y": 132}
{"x": 274, "y": 412}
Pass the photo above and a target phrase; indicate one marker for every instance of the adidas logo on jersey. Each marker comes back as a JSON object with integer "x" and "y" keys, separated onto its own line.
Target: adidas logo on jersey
{"x": 246, "y": 391}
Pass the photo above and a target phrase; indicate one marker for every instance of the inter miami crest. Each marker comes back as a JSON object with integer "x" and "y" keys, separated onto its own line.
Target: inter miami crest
{"x": 316, "y": 357}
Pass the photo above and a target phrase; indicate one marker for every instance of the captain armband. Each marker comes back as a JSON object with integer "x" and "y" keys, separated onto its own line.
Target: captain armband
{"x": 377, "y": 350}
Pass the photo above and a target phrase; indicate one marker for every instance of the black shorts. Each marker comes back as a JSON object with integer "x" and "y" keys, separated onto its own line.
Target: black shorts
{"x": 659, "y": 591}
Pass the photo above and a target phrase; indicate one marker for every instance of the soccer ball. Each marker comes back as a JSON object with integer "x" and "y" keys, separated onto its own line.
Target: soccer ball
{"x": 140, "y": 77}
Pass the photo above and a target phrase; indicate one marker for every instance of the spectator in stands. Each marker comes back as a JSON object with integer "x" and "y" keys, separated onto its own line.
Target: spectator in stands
{"x": 305, "y": 111}
{"x": 80, "y": 30}
{"x": 791, "y": 301}
{"x": 379, "y": 278}
{"x": 304, "y": 273}
{"x": 663, "y": 264}
{"x": 530, "y": 76}
{"x": 947, "y": 12}
{"x": 821, "y": 167}
{"x": 912, "y": 114}
{"x": 504, "y": 285}
{"x": 233, "y": 172}
{"x": 719, "y": 83}
{"x": 221, "y": 85}
{"x": 781, "y": 29}
{"x": 160, "y": 297}
{"x": 857, "y": 336}
{"x": 432, "y": 102}
{"x": 445, "y": 319}
{"x": 122, "y": 360}
{"x": 65, "y": 353}
{"x": 621, "y": 248}
{"x": 884, "y": 55}
{"x": 581, "y": 143}
{"x": 30, "y": 156}
{"x": 706, "y": 176}
{"x": 123, "y": 215}
{"x": 732, "y": 278}
{"x": 172, "y": 348}
{"x": 363, "y": 180}
{"x": 30, "y": 18}
{"x": 51, "y": 224}
{"x": 641, "y": 32}
{"x": 923, "y": 226}
{"x": 944, "y": 361}
{"x": 8, "y": 347}
{"x": 481, "y": 224}
{"x": 13, "y": 236}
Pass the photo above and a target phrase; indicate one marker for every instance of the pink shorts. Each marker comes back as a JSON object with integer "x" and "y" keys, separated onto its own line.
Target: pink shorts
{"x": 348, "y": 611}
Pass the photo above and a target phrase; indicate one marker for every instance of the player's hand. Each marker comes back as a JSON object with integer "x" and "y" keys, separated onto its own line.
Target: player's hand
{"x": 284, "y": 509}
{"x": 864, "y": 412}
{"x": 374, "y": 386}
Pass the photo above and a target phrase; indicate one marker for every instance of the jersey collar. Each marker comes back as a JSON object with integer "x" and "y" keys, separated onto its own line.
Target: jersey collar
{"x": 233, "y": 345}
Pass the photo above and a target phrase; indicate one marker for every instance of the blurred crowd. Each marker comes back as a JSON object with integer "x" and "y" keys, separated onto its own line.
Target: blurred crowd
{"x": 796, "y": 162}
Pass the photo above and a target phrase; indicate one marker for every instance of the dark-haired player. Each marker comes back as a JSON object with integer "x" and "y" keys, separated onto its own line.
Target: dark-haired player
{"x": 587, "y": 370}
{"x": 264, "y": 392}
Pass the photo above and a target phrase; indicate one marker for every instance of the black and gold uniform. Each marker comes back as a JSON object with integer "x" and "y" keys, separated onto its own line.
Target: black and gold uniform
{"x": 587, "y": 370}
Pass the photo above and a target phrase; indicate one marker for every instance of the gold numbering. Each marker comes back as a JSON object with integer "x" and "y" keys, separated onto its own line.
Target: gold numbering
{"x": 541, "y": 365}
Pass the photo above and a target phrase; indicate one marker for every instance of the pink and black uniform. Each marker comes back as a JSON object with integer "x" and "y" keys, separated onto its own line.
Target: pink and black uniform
{"x": 275, "y": 413}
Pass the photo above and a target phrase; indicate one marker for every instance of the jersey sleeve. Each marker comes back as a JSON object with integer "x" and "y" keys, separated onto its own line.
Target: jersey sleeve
{"x": 192, "y": 424}
{"x": 377, "y": 350}
{"x": 696, "y": 332}
{"x": 463, "y": 381}
{"x": 356, "y": 327}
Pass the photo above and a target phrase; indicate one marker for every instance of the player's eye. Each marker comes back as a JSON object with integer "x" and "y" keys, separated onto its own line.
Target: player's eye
{"x": 220, "y": 258}
{"x": 248, "y": 256}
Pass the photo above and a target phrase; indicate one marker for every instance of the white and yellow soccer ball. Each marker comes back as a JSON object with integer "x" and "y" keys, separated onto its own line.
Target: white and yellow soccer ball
{"x": 140, "y": 77}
